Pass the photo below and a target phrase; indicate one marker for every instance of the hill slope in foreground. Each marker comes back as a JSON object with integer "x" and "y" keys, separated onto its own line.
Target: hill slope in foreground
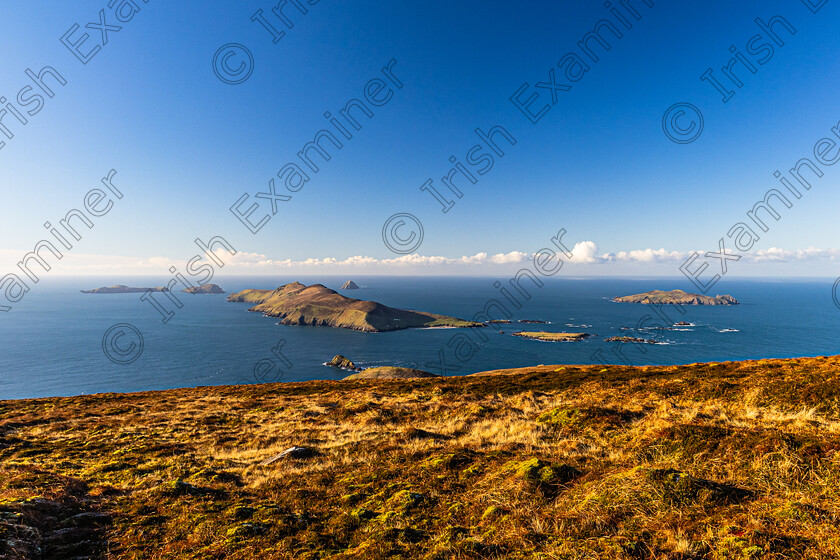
{"x": 732, "y": 460}
{"x": 296, "y": 304}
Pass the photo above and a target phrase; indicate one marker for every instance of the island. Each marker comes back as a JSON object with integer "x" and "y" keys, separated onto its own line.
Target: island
{"x": 205, "y": 289}
{"x": 349, "y": 285}
{"x": 317, "y": 305}
{"x": 122, "y": 289}
{"x": 677, "y": 297}
{"x": 341, "y": 362}
{"x": 552, "y": 337}
{"x": 628, "y": 339}
{"x": 390, "y": 372}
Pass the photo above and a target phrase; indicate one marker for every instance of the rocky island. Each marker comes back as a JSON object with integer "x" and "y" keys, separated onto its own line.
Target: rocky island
{"x": 678, "y": 297}
{"x": 552, "y": 337}
{"x": 382, "y": 372}
{"x": 122, "y": 289}
{"x": 629, "y": 339}
{"x": 391, "y": 372}
{"x": 317, "y": 305}
{"x": 205, "y": 289}
{"x": 342, "y": 362}
{"x": 349, "y": 285}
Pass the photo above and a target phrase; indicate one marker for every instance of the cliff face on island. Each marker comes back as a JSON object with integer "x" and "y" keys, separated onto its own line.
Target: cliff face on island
{"x": 122, "y": 289}
{"x": 677, "y": 297}
{"x": 349, "y": 285}
{"x": 297, "y": 304}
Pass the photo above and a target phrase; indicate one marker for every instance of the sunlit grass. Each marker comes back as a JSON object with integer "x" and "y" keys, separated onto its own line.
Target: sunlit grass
{"x": 734, "y": 460}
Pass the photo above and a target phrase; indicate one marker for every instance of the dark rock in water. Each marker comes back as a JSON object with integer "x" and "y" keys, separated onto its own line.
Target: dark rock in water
{"x": 205, "y": 289}
{"x": 349, "y": 285}
{"x": 340, "y": 361}
{"x": 532, "y": 321}
{"x": 123, "y": 289}
{"x": 682, "y": 324}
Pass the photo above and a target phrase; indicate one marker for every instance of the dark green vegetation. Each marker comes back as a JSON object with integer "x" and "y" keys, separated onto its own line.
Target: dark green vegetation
{"x": 296, "y": 304}
{"x": 737, "y": 460}
{"x": 678, "y": 297}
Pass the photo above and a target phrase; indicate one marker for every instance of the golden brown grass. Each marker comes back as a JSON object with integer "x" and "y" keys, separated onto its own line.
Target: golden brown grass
{"x": 720, "y": 461}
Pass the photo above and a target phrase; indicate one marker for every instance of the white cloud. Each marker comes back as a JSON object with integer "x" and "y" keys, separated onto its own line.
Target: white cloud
{"x": 646, "y": 256}
{"x": 774, "y": 254}
{"x": 584, "y": 254}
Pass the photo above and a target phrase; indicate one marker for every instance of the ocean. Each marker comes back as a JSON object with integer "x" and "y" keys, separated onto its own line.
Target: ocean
{"x": 51, "y": 342}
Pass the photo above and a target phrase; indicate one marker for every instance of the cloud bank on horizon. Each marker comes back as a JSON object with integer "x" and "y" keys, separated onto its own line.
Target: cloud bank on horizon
{"x": 586, "y": 259}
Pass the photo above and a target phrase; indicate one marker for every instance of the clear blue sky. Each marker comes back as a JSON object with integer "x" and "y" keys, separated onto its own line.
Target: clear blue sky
{"x": 186, "y": 146}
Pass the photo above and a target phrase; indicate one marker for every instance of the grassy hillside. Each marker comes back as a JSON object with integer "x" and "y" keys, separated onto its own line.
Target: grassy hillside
{"x": 718, "y": 461}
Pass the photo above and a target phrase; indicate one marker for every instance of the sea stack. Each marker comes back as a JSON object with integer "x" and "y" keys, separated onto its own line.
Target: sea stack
{"x": 343, "y": 362}
{"x": 349, "y": 285}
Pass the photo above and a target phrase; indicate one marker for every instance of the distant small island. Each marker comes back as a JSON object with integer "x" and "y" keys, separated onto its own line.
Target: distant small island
{"x": 381, "y": 372}
{"x": 553, "y": 337}
{"x": 122, "y": 289}
{"x": 205, "y": 289}
{"x": 317, "y": 305}
{"x": 391, "y": 372}
{"x": 628, "y": 339}
{"x": 678, "y": 297}
{"x": 349, "y": 285}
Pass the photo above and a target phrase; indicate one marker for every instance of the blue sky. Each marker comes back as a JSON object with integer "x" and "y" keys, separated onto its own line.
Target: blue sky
{"x": 186, "y": 146}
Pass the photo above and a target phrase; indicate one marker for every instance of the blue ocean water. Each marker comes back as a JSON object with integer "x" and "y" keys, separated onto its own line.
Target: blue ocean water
{"x": 51, "y": 343}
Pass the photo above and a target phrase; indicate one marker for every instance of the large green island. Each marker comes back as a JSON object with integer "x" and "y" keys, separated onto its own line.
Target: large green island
{"x": 678, "y": 297}
{"x": 123, "y": 289}
{"x": 297, "y": 304}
